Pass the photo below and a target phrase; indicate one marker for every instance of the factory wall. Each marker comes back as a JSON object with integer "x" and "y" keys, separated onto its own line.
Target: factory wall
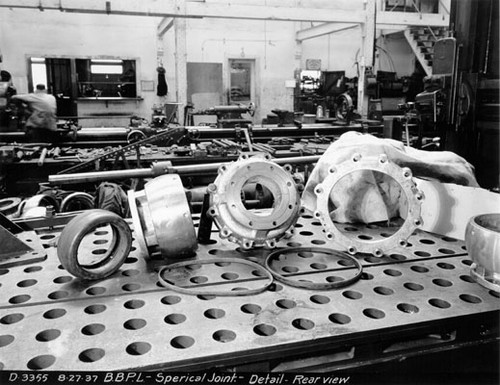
{"x": 394, "y": 54}
{"x": 31, "y": 33}
{"x": 272, "y": 44}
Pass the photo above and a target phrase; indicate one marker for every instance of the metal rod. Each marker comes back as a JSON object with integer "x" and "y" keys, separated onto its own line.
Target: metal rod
{"x": 206, "y": 222}
{"x": 407, "y": 130}
{"x": 99, "y": 176}
{"x": 247, "y": 138}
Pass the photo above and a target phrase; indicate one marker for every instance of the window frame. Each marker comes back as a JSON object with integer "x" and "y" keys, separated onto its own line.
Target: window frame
{"x": 74, "y": 75}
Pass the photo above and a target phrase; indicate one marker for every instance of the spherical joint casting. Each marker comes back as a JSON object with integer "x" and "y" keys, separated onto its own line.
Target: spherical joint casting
{"x": 402, "y": 176}
{"x": 162, "y": 218}
{"x": 259, "y": 227}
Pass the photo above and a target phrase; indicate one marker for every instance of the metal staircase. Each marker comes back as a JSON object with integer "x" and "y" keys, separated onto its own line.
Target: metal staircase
{"x": 422, "y": 40}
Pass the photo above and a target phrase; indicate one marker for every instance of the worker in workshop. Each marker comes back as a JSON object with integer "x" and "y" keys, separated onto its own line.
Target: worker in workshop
{"x": 7, "y": 90}
{"x": 41, "y": 124}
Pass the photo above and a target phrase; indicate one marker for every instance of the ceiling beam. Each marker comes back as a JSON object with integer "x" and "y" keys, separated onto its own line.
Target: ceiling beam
{"x": 164, "y": 26}
{"x": 283, "y": 13}
{"x": 323, "y": 29}
{"x": 412, "y": 19}
{"x": 391, "y": 28}
{"x": 193, "y": 9}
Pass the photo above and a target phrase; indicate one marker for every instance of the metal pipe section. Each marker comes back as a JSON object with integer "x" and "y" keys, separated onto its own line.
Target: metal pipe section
{"x": 159, "y": 168}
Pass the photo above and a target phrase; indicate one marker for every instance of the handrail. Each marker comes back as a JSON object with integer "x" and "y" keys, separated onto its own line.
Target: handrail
{"x": 416, "y": 7}
{"x": 444, "y": 7}
{"x": 394, "y": 6}
{"x": 432, "y": 33}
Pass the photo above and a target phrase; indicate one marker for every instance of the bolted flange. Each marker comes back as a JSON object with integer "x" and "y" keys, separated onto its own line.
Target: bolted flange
{"x": 254, "y": 228}
{"x": 402, "y": 176}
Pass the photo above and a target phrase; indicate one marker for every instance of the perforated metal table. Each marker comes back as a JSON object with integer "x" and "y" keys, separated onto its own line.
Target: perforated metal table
{"x": 416, "y": 299}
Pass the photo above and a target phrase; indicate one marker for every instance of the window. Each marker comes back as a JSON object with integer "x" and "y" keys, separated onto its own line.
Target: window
{"x": 106, "y": 78}
{"x": 241, "y": 80}
{"x": 114, "y": 67}
{"x": 39, "y": 71}
{"x": 95, "y": 78}
{"x": 309, "y": 81}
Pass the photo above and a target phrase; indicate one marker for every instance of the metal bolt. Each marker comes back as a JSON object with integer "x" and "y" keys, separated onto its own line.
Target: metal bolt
{"x": 49, "y": 211}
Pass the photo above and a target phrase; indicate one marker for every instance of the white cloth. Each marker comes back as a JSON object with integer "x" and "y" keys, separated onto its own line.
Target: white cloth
{"x": 366, "y": 196}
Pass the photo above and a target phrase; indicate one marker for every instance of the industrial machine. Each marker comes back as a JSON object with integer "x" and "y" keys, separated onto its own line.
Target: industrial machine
{"x": 7, "y": 108}
{"x": 436, "y": 103}
{"x": 332, "y": 91}
{"x": 229, "y": 116}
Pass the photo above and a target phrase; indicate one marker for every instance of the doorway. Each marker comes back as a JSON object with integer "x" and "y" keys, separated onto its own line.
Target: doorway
{"x": 55, "y": 74}
{"x": 241, "y": 81}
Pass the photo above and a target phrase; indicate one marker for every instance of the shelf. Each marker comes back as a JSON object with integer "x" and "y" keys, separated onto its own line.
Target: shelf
{"x": 111, "y": 82}
{"x": 108, "y": 99}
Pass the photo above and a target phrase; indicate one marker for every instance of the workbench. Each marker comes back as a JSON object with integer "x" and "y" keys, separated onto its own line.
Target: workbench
{"x": 24, "y": 176}
{"x": 416, "y": 301}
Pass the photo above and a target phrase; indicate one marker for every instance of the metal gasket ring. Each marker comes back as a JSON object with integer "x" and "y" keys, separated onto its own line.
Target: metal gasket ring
{"x": 75, "y": 231}
{"x": 9, "y": 205}
{"x": 162, "y": 218}
{"x": 310, "y": 285}
{"x": 39, "y": 200}
{"x": 243, "y": 226}
{"x": 235, "y": 293}
{"x": 403, "y": 176}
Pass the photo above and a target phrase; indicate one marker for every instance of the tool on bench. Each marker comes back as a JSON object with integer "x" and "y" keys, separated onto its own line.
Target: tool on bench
{"x": 42, "y": 157}
{"x": 170, "y": 135}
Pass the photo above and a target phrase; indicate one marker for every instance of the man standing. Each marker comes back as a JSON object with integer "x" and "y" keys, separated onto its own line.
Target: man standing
{"x": 7, "y": 90}
{"x": 41, "y": 125}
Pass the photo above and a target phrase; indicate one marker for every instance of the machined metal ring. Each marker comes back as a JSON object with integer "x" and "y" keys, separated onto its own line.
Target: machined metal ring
{"x": 135, "y": 135}
{"x": 403, "y": 176}
{"x": 162, "y": 218}
{"x": 482, "y": 239}
{"x": 9, "y": 206}
{"x": 81, "y": 200}
{"x": 103, "y": 264}
{"x": 36, "y": 201}
{"x": 249, "y": 228}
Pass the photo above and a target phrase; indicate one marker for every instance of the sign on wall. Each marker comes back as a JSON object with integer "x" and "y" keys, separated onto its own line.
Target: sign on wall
{"x": 313, "y": 64}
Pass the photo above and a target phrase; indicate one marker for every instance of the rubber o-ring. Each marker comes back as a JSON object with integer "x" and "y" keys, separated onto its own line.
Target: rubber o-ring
{"x": 78, "y": 228}
{"x": 311, "y": 285}
{"x": 237, "y": 293}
